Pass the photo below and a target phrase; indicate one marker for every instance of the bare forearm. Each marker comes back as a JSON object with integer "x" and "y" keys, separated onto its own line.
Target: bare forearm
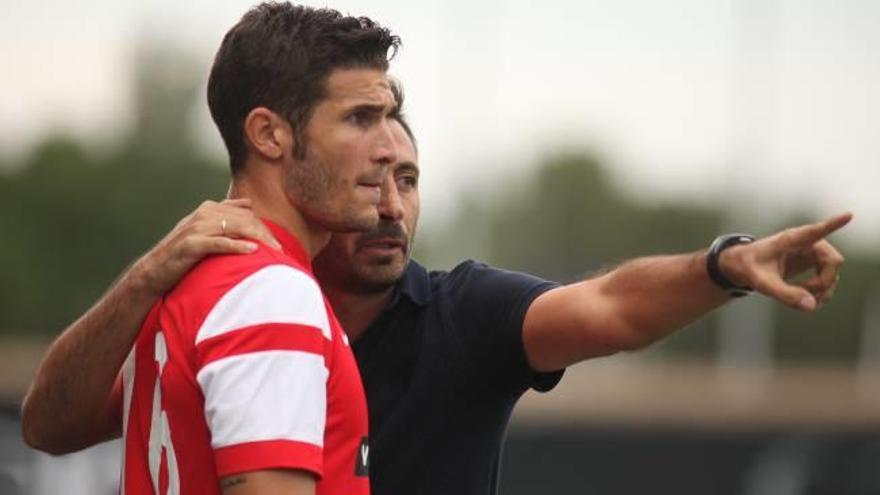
{"x": 657, "y": 295}
{"x": 628, "y": 308}
{"x": 70, "y": 404}
{"x": 646, "y": 299}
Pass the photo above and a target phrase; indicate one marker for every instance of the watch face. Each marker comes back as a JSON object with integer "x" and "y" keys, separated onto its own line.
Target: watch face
{"x": 720, "y": 244}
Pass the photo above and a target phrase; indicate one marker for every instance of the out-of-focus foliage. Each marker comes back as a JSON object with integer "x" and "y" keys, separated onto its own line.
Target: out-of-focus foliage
{"x": 570, "y": 220}
{"x": 72, "y": 221}
{"x": 573, "y": 221}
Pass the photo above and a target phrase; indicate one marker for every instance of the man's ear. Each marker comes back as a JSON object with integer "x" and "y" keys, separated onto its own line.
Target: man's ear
{"x": 268, "y": 134}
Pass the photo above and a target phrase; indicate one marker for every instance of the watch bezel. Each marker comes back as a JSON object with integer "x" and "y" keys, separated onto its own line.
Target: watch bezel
{"x": 721, "y": 243}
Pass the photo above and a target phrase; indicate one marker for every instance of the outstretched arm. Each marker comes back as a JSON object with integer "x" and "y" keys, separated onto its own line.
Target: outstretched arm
{"x": 646, "y": 299}
{"x": 75, "y": 400}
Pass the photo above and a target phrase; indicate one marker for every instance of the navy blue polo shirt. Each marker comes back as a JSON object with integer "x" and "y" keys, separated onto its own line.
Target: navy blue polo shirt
{"x": 442, "y": 367}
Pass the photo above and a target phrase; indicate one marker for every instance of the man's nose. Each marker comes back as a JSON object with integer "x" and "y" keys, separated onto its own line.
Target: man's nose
{"x": 385, "y": 150}
{"x": 390, "y": 206}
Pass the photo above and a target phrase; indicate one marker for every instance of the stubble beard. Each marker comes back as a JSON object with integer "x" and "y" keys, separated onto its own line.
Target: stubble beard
{"x": 372, "y": 277}
{"x": 359, "y": 275}
{"x": 316, "y": 191}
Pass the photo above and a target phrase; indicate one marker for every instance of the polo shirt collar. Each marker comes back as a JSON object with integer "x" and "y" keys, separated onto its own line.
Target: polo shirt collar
{"x": 415, "y": 284}
{"x": 289, "y": 243}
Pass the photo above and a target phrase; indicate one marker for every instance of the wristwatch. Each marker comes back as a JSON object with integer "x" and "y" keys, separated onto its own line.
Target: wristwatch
{"x": 718, "y": 245}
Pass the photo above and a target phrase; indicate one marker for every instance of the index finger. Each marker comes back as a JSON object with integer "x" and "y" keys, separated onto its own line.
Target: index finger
{"x": 236, "y": 222}
{"x": 807, "y": 235}
{"x": 259, "y": 232}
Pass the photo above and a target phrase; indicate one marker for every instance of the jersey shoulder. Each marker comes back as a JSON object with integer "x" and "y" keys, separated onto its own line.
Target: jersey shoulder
{"x": 260, "y": 286}
{"x": 223, "y": 272}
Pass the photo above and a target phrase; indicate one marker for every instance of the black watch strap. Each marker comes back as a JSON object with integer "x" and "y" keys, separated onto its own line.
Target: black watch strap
{"x": 720, "y": 244}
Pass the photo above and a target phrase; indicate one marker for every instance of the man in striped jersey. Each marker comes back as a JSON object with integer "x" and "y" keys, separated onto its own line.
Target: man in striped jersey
{"x": 241, "y": 379}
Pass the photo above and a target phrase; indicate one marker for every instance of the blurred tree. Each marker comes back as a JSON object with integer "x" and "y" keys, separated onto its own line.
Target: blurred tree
{"x": 570, "y": 220}
{"x": 834, "y": 332}
{"x": 165, "y": 90}
{"x": 73, "y": 221}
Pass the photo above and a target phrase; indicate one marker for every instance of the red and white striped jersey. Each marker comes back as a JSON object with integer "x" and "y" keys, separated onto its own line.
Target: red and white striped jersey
{"x": 243, "y": 367}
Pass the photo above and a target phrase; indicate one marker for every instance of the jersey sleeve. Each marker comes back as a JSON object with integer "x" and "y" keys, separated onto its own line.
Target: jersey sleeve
{"x": 260, "y": 359}
{"x": 490, "y": 304}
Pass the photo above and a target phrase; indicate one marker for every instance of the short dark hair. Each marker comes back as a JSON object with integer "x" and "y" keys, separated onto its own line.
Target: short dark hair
{"x": 399, "y": 115}
{"x": 279, "y": 56}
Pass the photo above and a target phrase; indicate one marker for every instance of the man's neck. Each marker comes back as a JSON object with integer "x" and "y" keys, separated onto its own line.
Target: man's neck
{"x": 357, "y": 311}
{"x": 270, "y": 202}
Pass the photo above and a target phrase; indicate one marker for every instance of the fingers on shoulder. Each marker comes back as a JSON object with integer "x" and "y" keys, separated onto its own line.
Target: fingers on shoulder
{"x": 200, "y": 246}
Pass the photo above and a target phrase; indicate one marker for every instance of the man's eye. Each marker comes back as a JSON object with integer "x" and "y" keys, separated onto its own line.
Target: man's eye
{"x": 360, "y": 118}
{"x": 408, "y": 181}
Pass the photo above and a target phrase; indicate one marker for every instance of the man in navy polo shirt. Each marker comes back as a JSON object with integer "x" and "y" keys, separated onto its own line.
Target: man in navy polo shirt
{"x": 444, "y": 356}
{"x": 440, "y": 353}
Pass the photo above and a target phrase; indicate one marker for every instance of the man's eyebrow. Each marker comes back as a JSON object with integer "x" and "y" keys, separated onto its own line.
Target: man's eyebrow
{"x": 372, "y": 108}
{"x": 408, "y": 167}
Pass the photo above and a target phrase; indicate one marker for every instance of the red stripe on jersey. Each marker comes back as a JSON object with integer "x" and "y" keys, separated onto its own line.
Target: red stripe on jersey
{"x": 258, "y": 338}
{"x": 269, "y": 454}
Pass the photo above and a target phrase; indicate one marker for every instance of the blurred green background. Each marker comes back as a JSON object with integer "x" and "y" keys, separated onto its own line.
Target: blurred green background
{"x": 76, "y": 215}
{"x": 558, "y": 137}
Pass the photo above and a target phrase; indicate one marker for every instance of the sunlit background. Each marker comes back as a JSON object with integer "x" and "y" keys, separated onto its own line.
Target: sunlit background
{"x": 555, "y": 137}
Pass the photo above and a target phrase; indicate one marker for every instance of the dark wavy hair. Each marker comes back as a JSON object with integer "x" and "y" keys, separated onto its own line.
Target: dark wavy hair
{"x": 279, "y": 56}
{"x": 399, "y": 115}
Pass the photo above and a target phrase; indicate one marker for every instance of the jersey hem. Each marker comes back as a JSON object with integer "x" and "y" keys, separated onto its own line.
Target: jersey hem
{"x": 269, "y": 454}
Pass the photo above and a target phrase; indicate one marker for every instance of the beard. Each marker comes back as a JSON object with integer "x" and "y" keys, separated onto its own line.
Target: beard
{"x": 344, "y": 266}
{"x": 320, "y": 196}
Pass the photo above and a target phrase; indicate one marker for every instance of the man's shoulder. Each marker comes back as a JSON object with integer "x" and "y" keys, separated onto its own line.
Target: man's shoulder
{"x": 474, "y": 281}
{"x": 220, "y": 273}
{"x": 458, "y": 271}
{"x": 237, "y": 291}
{"x": 424, "y": 283}
{"x": 465, "y": 272}
{"x": 450, "y": 289}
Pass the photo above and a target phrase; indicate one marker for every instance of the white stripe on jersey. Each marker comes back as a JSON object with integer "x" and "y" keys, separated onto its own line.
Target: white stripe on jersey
{"x": 127, "y": 389}
{"x": 274, "y": 294}
{"x": 267, "y": 395}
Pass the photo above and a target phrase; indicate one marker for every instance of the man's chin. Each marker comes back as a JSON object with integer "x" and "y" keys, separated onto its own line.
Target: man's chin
{"x": 382, "y": 272}
{"x": 382, "y": 255}
{"x": 373, "y": 283}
